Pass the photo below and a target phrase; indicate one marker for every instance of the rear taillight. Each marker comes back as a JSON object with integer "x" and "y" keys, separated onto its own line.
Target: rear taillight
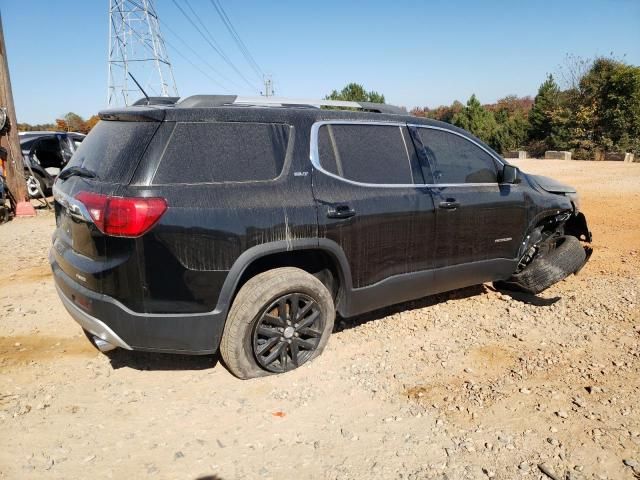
{"x": 123, "y": 216}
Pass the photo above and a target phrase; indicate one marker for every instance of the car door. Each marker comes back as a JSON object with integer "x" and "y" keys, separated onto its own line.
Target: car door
{"x": 48, "y": 151}
{"x": 479, "y": 221}
{"x": 366, "y": 184}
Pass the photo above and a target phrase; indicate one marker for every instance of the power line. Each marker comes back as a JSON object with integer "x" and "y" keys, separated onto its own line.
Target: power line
{"x": 217, "y": 45}
{"x": 197, "y": 67}
{"x": 186, "y": 44}
{"x": 236, "y": 37}
{"x": 211, "y": 44}
{"x": 177, "y": 50}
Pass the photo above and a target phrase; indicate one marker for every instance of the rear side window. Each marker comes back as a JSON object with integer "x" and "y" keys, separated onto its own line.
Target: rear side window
{"x": 365, "y": 153}
{"x": 112, "y": 149}
{"x": 456, "y": 159}
{"x": 223, "y": 152}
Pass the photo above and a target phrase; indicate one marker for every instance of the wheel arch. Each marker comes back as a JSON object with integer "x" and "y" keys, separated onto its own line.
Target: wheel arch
{"x": 319, "y": 257}
{"x": 538, "y": 222}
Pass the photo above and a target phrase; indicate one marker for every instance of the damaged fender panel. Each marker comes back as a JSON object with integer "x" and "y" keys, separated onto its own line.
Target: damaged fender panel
{"x": 577, "y": 226}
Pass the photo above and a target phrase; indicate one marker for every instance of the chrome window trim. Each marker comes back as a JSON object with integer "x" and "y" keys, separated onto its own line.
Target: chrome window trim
{"x": 314, "y": 155}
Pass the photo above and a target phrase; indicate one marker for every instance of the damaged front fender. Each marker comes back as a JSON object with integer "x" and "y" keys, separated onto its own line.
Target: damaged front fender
{"x": 576, "y": 225}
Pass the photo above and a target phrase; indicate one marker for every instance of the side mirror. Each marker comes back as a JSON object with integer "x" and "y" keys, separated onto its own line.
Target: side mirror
{"x": 510, "y": 174}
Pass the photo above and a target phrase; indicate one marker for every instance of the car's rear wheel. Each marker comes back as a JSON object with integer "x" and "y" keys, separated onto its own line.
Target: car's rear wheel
{"x": 280, "y": 320}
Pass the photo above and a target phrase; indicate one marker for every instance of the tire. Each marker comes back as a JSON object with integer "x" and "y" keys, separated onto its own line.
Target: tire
{"x": 33, "y": 182}
{"x": 256, "y": 327}
{"x": 565, "y": 256}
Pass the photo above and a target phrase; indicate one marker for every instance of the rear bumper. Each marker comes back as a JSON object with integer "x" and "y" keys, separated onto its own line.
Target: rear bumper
{"x": 113, "y": 322}
{"x": 92, "y": 324}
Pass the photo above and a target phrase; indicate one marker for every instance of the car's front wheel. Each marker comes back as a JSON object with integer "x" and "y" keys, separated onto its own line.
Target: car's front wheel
{"x": 280, "y": 320}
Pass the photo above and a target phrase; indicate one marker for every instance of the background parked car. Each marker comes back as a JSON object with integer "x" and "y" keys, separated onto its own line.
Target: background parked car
{"x": 46, "y": 153}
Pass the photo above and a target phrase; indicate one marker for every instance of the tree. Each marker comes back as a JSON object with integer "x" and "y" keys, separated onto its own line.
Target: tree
{"x": 573, "y": 69}
{"x": 549, "y": 118}
{"x": 443, "y": 113}
{"x": 354, "y": 92}
{"x": 70, "y": 122}
{"x": 478, "y": 120}
{"x": 610, "y": 101}
{"x": 74, "y": 122}
{"x": 546, "y": 102}
{"x": 511, "y": 114}
{"x": 27, "y": 127}
{"x": 61, "y": 125}
{"x": 89, "y": 124}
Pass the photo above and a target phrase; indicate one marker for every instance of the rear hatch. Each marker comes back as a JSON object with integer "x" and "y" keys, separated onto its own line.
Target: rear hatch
{"x": 99, "y": 172}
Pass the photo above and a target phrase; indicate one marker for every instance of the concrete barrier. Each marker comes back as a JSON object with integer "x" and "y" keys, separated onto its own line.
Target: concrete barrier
{"x": 619, "y": 157}
{"x": 557, "y": 155}
{"x": 519, "y": 154}
{"x": 614, "y": 157}
{"x": 599, "y": 155}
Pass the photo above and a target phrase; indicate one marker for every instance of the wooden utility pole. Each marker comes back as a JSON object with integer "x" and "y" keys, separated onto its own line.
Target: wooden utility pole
{"x": 10, "y": 141}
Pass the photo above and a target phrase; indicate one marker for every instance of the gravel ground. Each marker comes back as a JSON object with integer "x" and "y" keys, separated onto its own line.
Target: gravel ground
{"x": 471, "y": 384}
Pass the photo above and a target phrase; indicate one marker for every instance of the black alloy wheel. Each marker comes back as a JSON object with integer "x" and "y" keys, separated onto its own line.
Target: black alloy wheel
{"x": 287, "y": 333}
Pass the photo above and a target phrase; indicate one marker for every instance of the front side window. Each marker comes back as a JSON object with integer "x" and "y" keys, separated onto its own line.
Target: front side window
{"x": 365, "y": 153}
{"x": 224, "y": 152}
{"x": 48, "y": 152}
{"x": 455, "y": 159}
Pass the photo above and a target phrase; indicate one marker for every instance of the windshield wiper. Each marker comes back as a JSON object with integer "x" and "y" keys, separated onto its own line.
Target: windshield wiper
{"x": 76, "y": 171}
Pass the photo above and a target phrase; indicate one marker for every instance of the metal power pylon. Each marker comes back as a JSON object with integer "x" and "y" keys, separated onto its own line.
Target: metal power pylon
{"x": 136, "y": 46}
{"x": 268, "y": 86}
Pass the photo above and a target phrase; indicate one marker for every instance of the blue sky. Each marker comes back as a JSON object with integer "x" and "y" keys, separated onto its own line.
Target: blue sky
{"x": 415, "y": 52}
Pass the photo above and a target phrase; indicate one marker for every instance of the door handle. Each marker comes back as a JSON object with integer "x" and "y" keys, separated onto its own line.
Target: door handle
{"x": 449, "y": 204}
{"x": 341, "y": 211}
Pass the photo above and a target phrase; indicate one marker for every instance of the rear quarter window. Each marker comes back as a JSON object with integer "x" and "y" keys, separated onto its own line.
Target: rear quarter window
{"x": 112, "y": 149}
{"x": 375, "y": 154}
{"x": 223, "y": 152}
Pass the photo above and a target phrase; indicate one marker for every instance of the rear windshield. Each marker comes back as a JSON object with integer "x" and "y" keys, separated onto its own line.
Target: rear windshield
{"x": 223, "y": 152}
{"x": 112, "y": 149}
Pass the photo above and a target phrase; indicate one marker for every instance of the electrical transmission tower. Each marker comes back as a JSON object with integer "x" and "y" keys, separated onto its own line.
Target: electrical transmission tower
{"x": 136, "y": 47}
{"x": 268, "y": 86}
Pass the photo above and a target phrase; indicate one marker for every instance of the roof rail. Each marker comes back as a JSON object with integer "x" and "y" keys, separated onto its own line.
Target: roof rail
{"x": 155, "y": 101}
{"x": 208, "y": 101}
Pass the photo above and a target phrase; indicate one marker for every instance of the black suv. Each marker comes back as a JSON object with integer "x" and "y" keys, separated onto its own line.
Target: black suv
{"x": 243, "y": 225}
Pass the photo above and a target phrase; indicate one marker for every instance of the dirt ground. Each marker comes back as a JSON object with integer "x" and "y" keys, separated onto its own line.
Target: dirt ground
{"x": 470, "y": 384}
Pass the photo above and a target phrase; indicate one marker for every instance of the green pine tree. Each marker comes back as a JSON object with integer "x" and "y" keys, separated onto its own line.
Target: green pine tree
{"x": 354, "y": 92}
{"x": 478, "y": 120}
{"x": 541, "y": 115}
